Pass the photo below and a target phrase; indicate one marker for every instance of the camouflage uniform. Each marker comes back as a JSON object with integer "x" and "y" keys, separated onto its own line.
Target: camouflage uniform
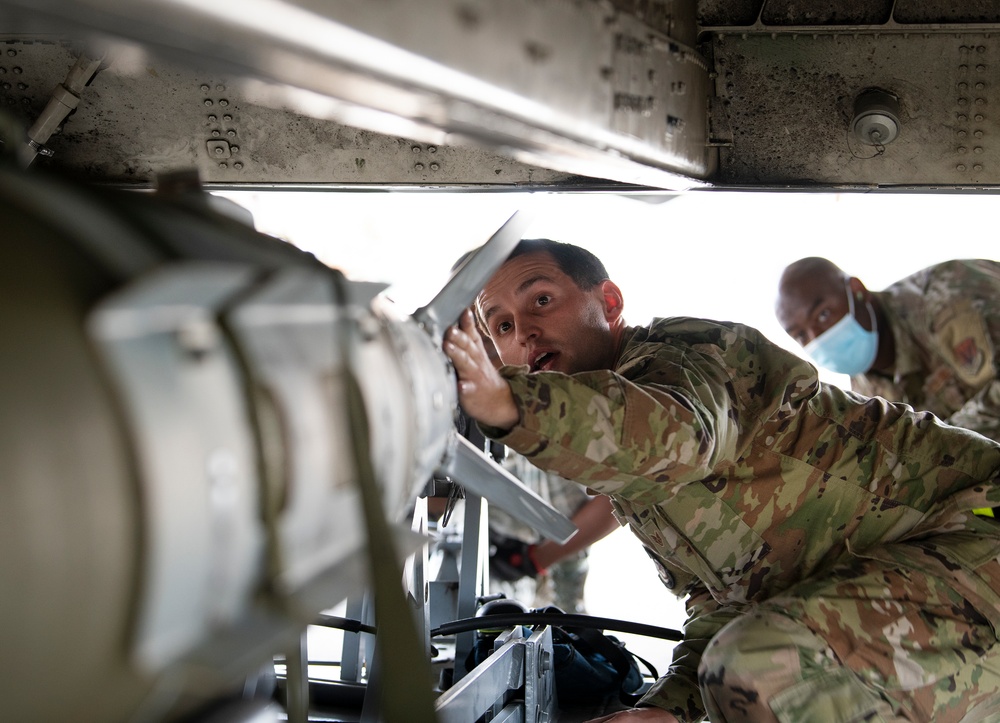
{"x": 563, "y": 584}
{"x": 945, "y": 321}
{"x": 825, "y": 540}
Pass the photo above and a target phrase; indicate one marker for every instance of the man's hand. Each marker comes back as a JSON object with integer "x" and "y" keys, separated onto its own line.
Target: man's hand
{"x": 510, "y": 560}
{"x": 635, "y": 715}
{"x": 483, "y": 393}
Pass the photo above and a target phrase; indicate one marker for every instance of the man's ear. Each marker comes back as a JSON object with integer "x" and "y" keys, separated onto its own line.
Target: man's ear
{"x": 614, "y": 303}
{"x": 857, "y": 288}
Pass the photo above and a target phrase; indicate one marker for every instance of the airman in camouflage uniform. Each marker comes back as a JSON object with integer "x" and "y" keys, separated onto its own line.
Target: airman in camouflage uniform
{"x": 562, "y": 583}
{"x": 826, "y": 542}
{"x": 937, "y": 334}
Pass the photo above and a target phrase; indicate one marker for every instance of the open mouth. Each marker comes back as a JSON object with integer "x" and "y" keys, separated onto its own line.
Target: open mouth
{"x": 543, "y": 361}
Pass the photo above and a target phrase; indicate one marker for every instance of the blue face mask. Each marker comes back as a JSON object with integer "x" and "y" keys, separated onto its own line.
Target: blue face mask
{"x": 846, "y": 347}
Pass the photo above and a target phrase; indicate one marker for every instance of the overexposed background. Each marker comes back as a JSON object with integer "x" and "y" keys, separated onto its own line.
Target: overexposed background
{"x": 709, "y": 254}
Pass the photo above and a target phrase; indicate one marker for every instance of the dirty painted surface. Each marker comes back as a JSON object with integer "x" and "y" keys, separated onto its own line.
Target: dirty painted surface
{"x": 159, "y": 117}
{"x": 789, "y": 101}
{"x": 764, "y": 95}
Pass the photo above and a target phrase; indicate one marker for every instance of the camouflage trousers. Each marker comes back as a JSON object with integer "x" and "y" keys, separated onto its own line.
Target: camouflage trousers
{"x": 869, "y": 642}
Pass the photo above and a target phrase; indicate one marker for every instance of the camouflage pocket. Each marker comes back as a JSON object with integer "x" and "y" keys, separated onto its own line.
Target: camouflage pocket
{"x": 831, "y": 697}
{"x": 702, "y": 534}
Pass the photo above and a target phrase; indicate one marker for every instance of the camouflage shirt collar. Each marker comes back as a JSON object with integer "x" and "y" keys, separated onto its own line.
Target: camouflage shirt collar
{"x": 907, "y": 359}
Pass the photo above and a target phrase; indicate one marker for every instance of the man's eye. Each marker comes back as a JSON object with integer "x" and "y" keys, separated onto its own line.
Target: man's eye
{"x": 543, "y": 300}
{"x": 823, "y": 316}
{"x": 503, "y": 327}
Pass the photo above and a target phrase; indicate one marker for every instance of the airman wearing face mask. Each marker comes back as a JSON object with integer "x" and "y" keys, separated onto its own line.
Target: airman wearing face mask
{"x": 928, "y": 340}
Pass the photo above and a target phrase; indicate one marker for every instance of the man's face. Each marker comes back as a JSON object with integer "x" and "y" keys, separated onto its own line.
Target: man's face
{"x": 537, "y": 315}
{"x": 809, "y": 306}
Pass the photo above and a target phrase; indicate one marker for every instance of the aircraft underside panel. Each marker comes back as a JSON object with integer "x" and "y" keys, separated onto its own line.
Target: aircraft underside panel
{"x": 789, "y": 100}
{"x": 576, "y": 87}
{"x": 592, "y": 94}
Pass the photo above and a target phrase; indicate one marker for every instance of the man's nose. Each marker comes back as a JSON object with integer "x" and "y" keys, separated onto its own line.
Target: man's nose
{"x": 525, "y": 329}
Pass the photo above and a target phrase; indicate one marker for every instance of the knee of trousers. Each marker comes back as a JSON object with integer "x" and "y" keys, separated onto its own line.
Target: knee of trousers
{"x": 766, "y": 666}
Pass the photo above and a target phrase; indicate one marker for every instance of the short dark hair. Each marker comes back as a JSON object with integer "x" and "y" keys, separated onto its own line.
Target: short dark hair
{"x": 586, "y": 270}
{"x": 583, "y": 267}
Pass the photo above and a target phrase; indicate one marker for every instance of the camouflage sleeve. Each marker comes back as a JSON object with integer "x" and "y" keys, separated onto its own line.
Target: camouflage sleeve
{"x": 963, "y": 310}
{"x": 618, "y": 436}
{"x": 981, "y": 413}
{"x": 677, "y": 692}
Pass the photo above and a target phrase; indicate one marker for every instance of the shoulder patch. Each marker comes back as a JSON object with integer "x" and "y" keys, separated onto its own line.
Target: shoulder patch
{"x": 969, "y": 355}
{"x": 962, "y": 340}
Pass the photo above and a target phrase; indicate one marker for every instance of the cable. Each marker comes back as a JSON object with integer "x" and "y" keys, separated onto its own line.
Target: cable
{"x": 563, "y": 620}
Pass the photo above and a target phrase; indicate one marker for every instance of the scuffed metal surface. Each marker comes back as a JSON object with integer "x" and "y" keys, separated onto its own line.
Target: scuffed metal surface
{"x": 728, "y": 12}
{"x": 947, "y": 11}
{"x": 162, "y": 117}
{"x": 789, "y": 99}
{"x": 574, "y": 86}
{"x": 826, "y": 12}
{"x": 783, "y": 13}
{"x": 766, "y": 87}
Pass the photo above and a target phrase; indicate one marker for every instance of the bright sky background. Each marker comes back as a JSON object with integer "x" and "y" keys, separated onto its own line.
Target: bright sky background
{"x": 709, "y": 254}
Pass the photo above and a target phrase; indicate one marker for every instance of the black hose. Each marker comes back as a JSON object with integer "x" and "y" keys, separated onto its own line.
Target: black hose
{"x": 345, "y": 624}
{"x": 563, "y": 620}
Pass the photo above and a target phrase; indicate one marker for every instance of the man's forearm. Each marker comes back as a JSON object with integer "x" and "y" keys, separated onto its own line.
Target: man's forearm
{"x": 594, "y": 521}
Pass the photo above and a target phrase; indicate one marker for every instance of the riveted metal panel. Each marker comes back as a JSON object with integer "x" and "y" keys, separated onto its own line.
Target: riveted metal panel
{"x": 789, "y": 98}
{"x": 539, "y": 80}
{"x": 137, "y": 120}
